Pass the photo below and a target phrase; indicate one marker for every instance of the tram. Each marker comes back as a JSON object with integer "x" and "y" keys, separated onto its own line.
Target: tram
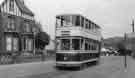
{"x": 78, "y": 40}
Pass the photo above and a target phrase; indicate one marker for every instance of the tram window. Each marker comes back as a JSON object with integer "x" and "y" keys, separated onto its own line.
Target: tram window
{"x": 86, "y": 24}
{"x": 65, "y": 44}
{"x": 86, "y": 46}
{"x": 89, "y": 25}
{"x": 92, "y": 47}
{"x": 77, "y": 22}
{"x": 76, "y": 44}
{"x": 58, "y": 45}
{"x": 58, "y": 21}
{"x": 82, "y": 22}
{"x": 66, "y": 21}
{"x": 89, "y": 47}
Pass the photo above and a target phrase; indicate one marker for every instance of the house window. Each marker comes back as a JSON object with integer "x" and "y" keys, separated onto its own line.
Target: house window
{"x": 9, "y": 44}
{"x": 28, "y": 44}
{"x": 15, "y": 44}
{"x": 12, "y": 44}
{"x": 27, "y": 29}
{"x": 11, "y": 5}
{"x": 11, "y": 24}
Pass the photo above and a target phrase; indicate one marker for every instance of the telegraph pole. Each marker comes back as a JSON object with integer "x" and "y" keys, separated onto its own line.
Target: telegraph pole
{"x": 125, "y": 53}
{"x": 133, "y": 26}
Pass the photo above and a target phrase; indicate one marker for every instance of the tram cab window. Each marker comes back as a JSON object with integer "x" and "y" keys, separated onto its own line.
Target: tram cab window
{"x": 76, "y": 44}
{"x": 65, "y": 44}
{"x": 58, "y": 21}
{"x": 66, "y": 21}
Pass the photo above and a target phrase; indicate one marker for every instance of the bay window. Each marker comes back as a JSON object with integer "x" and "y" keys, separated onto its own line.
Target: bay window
{"x": 15, "y": 44}
{"x": 12, "y": 44}
{"x": 9, "y": 44}
{"x": 28, "y": 44}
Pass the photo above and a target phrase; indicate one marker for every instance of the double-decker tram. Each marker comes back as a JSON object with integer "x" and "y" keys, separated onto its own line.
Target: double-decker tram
{"x": 78, "y": 40}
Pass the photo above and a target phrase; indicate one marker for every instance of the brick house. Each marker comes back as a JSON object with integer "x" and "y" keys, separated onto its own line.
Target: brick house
{"x": 17, "y": 28}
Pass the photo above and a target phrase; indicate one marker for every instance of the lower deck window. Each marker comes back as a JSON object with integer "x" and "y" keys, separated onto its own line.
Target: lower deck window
{"x": 76, "y": 44}
{"x": 65, "y": 44}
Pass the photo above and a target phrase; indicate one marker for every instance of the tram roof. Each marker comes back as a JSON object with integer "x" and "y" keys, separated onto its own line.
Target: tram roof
{"x": 78, "y": 15}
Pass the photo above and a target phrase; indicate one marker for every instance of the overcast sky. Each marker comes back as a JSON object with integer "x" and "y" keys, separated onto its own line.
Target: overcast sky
{"x": 114, "y": 16}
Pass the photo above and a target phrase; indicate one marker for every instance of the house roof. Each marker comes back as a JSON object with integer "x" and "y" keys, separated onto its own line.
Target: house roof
{"x": 23, "y": 7}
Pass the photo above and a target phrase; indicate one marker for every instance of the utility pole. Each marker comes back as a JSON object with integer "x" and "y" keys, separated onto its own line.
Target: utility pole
{"x": 133, "y": 25}
{"x": 125, "y": 38}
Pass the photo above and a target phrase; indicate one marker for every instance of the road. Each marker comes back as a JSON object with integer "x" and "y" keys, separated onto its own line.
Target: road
{"x": 108, "y": 68}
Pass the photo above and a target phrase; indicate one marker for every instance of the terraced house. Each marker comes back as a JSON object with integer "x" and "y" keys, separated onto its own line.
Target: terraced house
{"x": 17, "y": 28}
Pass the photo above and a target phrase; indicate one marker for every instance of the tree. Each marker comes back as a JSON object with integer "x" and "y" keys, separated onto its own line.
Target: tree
{"x": 121, "y": 48}
{"x": 41, "y": 40}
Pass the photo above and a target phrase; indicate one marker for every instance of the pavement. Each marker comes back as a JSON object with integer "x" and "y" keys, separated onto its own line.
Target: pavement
{"x": 128, "y": 72}
{"x": 26, "y": 69}
{"x": 110, "y": 67}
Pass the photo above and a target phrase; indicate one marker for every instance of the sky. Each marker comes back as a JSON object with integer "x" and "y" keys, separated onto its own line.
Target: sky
{"x": 114, "y": 16}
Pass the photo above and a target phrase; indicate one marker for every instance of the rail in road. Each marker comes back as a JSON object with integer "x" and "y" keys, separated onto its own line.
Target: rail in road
{"x": 106, "y": 62}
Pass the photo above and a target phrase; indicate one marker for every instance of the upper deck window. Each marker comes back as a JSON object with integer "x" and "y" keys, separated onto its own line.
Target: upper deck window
{"x": 69, "y": 20}
{"x": 66, "y": 21}
{"x": 89, "y": 24}
{"x": 82, "y": 22}
{"x": 77, "y": 22}
{"x": 86, "y": 24}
